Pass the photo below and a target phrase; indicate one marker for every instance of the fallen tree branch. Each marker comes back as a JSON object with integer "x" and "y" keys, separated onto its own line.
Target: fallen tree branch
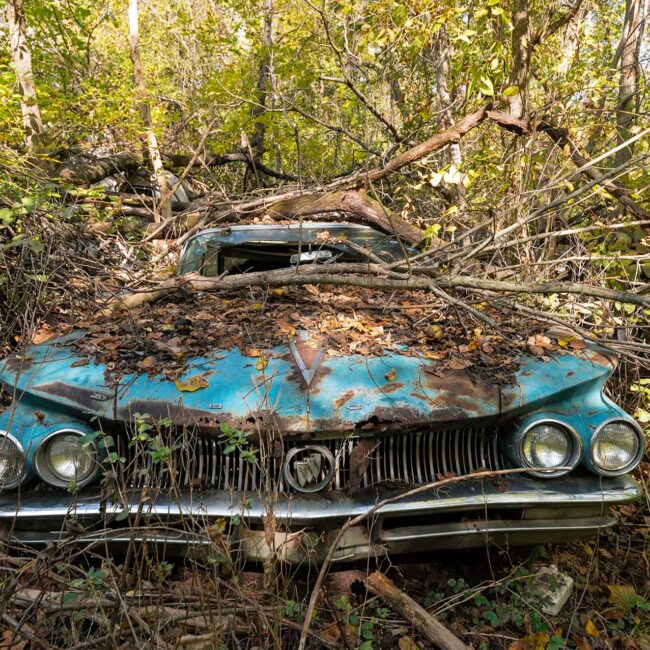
{"x": 356, "y": 203}
{"x": 369, "y": 276}
{"x": 413, "y": 612}
{"x": 563, "y": 139}
{"x": 354, "y": 521}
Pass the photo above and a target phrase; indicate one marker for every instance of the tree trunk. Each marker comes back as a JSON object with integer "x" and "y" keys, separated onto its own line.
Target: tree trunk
{"x": 628, "y": 88}
{"x": 263, "y": 79}
{"x": 165, "y": 207}
{"x": 521, "y": 51}
{"x": 21, "y": 58}
{"x": 453, "y": 154}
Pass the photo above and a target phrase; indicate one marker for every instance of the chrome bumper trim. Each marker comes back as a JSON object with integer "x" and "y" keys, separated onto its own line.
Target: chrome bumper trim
{"x": 327, "y": 508}
{"x": 359, "y": 543}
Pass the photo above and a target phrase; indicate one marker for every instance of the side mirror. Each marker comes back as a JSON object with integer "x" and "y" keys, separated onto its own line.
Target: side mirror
{"x": 309, "y": 257}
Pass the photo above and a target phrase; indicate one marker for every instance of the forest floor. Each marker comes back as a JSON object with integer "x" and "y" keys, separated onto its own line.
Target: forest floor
{"x": 63, "y": 599}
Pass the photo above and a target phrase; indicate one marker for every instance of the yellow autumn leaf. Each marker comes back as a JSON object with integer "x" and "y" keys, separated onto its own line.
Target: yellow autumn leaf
{"x": 537, "y": 641}
{"x": 591, "y": 629}
{"x": 262, "y": 362}
{"x": 192, "y": 384}
{"x": 256, "y": 306}
{"x": 391, "y": 375}
{"x": 434, "y": 332}
{"x": 621, "y": 595}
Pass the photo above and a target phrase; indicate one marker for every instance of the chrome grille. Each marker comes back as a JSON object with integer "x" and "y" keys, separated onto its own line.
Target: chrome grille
{"x": 413, "y": 458}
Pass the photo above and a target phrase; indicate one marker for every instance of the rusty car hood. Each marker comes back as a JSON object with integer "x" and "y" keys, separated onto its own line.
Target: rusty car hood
{"x": 320, "y": 395}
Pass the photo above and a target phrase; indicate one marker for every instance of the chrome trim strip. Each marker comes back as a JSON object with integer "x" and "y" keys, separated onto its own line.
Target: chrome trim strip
{"x": 359, "y": 547}
{"x": 521, "y": 493}
{"x": 411, "y": 533}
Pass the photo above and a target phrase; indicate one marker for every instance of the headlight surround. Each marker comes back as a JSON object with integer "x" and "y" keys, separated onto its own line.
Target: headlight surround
{"x": 61, "y": 459}
{"x": 548, "y": 444}
{"x": 617, "y": 447}
{"x": 12, "y": 461}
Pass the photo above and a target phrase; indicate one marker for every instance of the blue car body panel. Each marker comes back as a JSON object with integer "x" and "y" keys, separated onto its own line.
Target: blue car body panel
{"x": 54, "y": 386}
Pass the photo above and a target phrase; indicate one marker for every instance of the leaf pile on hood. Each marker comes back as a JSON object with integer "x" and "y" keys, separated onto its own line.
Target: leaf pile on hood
{"x": 161, "y": 338}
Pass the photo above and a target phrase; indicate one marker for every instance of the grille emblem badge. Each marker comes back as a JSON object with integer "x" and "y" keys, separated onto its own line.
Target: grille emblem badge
{"x": 309, "y": 468}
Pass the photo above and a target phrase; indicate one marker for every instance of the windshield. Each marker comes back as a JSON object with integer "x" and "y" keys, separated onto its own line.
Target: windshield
{"x": 245, "y": 249}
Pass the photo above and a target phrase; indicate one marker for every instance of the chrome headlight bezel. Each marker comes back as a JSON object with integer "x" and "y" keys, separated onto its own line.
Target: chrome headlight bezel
{"x": 636, "y": 458}
{"x": 573, "y": 457}
{"x": 19, "y": 479}
{"x": 47, "y": 475}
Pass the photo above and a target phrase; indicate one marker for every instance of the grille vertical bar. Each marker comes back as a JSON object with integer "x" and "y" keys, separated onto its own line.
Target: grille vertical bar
{"x": 410, "y": 458}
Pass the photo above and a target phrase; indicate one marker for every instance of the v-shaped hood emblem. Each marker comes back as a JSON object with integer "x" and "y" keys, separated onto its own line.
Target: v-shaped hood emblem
{"x": 308, "y": 352}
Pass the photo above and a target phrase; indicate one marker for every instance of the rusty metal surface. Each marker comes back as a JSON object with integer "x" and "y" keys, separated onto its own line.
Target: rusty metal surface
{"x": 349, "y": 393}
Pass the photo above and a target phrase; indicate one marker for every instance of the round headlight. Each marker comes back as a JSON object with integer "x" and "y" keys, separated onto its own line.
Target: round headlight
{"x": 62, "y": 459}
{"x": 549, "y": 446}
{"x": 616, "y": 447}
{"x": 12, "y": 461}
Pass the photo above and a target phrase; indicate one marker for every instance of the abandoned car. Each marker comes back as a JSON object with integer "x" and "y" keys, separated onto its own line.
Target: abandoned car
{"x": 271, "y": 458}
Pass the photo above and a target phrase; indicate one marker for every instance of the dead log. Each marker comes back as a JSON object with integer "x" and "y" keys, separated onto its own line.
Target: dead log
{"x": 356, "y": 203}
{"x": 414, "y": 613}
{"x": 88, "y": 170}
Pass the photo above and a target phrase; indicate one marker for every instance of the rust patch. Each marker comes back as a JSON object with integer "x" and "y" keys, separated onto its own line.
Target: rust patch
{"x": 295, "y": 376}
{"x": 570, "y": 373}
{"x": 346, "y": 397}
{"x": 391, "y": 387}
{"x": 17, "y": 363}
{"x": 94, "y": 400}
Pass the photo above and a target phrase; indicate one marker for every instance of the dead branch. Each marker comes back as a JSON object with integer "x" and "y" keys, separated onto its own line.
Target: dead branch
{"x": 369, "y": 276}
{"x": 356, "y": 203}
{"x": 354, "y": 521}
{"x": 563, "y": 138}
{"x": 413, "y": 612}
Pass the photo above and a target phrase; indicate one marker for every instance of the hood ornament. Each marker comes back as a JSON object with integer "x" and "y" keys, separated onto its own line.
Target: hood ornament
{"x": 307, "y": 352}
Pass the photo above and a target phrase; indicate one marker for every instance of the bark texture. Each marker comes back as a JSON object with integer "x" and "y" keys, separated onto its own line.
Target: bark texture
{"x": 145, "y": 110}
{"x": 87, "y": 171}
{"x": 628, "y": 89}
{"x": 521, "y": 52}
{"x": 21, "y": 58}
{"x": 413, "y": 612}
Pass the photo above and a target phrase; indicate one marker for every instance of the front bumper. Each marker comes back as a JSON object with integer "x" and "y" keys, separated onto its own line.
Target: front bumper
{"x": 515, "y": 510}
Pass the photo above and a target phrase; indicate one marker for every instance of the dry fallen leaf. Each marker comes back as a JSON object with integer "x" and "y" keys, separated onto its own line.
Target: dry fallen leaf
{"x": 262, "y": 362}
{"x": 192, "y": 384}
{"x": 540, "y": 342}
{"x": 391, "y": 375}
{"x": 407, "y": 643}
{"x": 621, "y": 595}
{"x": 434, "y": 331}
{"x": 591, "y": 629}
{"x": 535, "y": 641}
{"x": 460, "y": 364}
{"x": 147, "y": 363}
